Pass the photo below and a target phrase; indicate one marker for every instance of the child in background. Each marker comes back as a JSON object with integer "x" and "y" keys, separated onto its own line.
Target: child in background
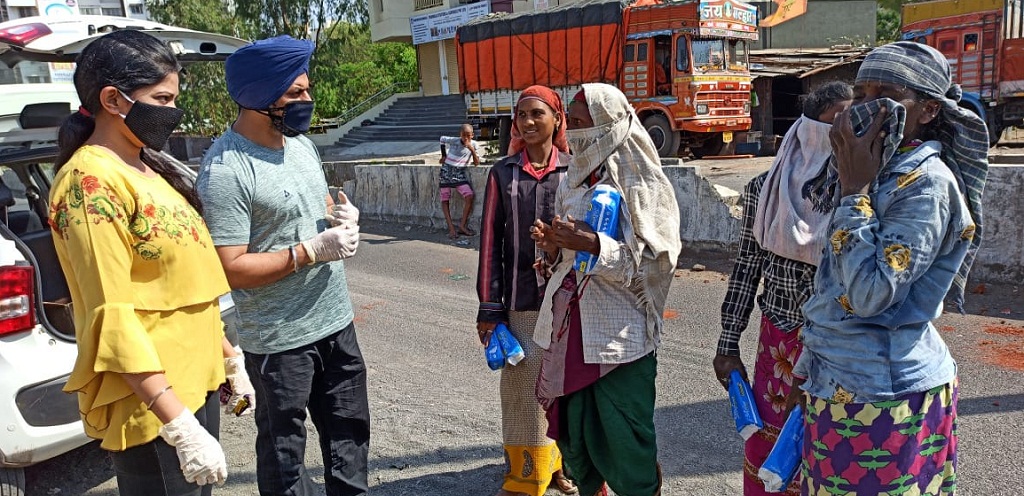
{"x": 460, "y": 151}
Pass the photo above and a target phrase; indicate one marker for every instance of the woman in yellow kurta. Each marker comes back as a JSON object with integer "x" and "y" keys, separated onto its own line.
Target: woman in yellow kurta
{"x": 143, "y": 274}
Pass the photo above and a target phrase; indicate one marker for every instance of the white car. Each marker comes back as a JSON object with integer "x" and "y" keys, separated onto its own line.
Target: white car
{"x": 37, "y": 350}
{"x": 56, "y": 41}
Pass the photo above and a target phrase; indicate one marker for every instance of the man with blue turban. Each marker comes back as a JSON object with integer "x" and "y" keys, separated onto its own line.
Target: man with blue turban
{"x": 281, "y": 239}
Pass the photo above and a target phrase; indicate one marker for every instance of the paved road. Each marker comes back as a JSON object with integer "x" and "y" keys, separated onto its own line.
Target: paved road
{"x": 436, "y": 427}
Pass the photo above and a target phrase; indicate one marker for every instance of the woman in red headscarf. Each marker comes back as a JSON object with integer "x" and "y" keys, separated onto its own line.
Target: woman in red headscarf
{"x": 520, "y": 189}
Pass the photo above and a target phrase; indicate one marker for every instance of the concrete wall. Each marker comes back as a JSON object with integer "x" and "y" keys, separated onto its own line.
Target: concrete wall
{"x": 1001, "y": 258}
{"x": 408, "y": 194}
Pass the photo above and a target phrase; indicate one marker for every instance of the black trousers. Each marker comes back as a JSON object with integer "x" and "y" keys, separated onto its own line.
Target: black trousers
{"x": 152, "y": 469}
{"x": 327, "y": 378}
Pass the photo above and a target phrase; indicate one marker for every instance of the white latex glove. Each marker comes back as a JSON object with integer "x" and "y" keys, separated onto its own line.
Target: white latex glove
{"x": 241, "y": 387}
{"x": 333, "y": 244}
{"x": 343, "y": 212}
{"x": 200, "y": 455}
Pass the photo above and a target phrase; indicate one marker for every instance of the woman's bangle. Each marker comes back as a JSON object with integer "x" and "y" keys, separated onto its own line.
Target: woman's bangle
{"x": 295, "y": 258}
{"x": 149, "y": 406}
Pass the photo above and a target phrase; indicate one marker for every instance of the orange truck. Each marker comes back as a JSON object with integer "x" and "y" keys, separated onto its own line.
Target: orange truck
{"x": 984, "y": 43}
{"x": 682, "y": 64}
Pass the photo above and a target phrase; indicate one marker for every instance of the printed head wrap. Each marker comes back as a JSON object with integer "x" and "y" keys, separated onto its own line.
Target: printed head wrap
{"x": 549, "y": 97}
{"x": 259, "y": 73}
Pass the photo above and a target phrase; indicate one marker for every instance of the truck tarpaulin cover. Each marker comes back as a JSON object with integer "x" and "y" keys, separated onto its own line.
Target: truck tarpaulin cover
{"x": 566, "y": 45}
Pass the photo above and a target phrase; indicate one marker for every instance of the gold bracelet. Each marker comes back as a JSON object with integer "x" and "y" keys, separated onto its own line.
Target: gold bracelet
{"x": 149, "y": 406}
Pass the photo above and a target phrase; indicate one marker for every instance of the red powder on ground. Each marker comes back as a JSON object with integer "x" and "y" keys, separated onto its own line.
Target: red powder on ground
{"x": 947, "y": 328}
{"x": 1008, "y": 356}
{"x": 670, "y": 313}
{"x": 1005, "y": 330}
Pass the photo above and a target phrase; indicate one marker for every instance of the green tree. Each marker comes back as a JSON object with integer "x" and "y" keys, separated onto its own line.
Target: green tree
{"x": 889, "y": 20}
{"x": 346, "y": 69}
{"x": 888, "y": 24}
{"x": 351, "y": 68}
{"x": 204, "y": 95}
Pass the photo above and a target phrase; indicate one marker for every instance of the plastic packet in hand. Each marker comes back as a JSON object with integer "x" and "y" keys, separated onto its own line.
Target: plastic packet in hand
{"x": 744, "y": 410}
{"x": 603, "y": 217}
{"x": 509, "y": 344}
{"x": 779, "y": 469}
{"x": 495, "y": 357}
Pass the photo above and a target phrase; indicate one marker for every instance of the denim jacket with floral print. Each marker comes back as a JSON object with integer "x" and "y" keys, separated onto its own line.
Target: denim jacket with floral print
{"x": 891, "y": 259}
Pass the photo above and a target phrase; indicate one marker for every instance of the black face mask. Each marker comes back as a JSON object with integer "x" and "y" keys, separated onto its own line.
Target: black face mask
{"x": 294, "y": 118}
{"x": 152, "y": 124}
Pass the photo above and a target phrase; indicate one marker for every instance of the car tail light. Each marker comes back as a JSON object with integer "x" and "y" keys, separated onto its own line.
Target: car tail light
{"x": 24, "y": 34}
{"x": 17, "y": 298}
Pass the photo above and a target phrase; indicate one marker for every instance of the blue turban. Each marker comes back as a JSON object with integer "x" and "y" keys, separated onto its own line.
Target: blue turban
{"x": 260, "y": 72}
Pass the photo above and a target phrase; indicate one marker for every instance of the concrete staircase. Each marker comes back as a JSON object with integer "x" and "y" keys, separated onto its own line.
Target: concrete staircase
{"x": 412, "y": 119}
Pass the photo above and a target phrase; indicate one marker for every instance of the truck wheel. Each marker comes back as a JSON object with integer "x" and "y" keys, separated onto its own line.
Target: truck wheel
{"x": 995, "y": 128}
{"x": 665, "y": 139}
{"x": 504, "y": 135}
{"x": 709, "y": 148}
{"x": 12, "y": 482}
{"x": 992, "y": 122}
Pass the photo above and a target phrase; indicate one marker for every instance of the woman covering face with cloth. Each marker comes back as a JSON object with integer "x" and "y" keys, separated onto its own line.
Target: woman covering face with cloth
{"x": 782, "y": 235}
{"x": 880, "y": 383}
{"x": 600, "y": 361}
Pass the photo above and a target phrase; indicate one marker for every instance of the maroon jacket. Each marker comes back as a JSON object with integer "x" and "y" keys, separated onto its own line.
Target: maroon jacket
{"x": 513, "y": 199}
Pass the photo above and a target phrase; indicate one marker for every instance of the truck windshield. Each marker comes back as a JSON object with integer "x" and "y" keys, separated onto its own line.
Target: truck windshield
{"x": 708, "y": 55}
{"x": 737, "y": 55}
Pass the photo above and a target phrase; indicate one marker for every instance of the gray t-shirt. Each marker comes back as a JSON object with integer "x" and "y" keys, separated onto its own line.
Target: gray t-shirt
{"x": 270, "y": 200}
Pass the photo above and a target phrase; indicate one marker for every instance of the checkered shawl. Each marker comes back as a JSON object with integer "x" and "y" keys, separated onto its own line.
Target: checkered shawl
{"x": 964, "y": 136}
{"x": 625, "y": 152}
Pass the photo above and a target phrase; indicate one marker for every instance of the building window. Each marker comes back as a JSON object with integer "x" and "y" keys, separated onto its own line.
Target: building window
{"x": 427, "y": 4}
{"x": 112, "y": 11}
{"x": 26, "y": 11}
{"x": 89, "y": 10}
{"x": 136, "y": 8}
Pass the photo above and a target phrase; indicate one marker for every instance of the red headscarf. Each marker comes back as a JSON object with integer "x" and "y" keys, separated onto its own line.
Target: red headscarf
{"x": 549, "y": 97}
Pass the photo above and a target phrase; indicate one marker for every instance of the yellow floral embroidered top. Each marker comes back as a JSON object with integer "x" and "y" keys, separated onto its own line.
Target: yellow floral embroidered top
{"x": 145, "y": 281}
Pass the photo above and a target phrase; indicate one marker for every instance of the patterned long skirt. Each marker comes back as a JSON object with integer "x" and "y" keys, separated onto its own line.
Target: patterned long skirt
{"x": 777, "y": 352}
{"x": 906, "y": 446}
{"x": 530, "y": 456}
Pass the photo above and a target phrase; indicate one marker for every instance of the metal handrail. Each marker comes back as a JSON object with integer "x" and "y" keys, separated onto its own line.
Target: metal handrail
{"x": 373, "y": 100}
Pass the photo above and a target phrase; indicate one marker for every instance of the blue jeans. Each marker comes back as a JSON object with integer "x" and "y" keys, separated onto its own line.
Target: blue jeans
{"x": 152, "y": 469}
{"x": 327, "y": 378}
